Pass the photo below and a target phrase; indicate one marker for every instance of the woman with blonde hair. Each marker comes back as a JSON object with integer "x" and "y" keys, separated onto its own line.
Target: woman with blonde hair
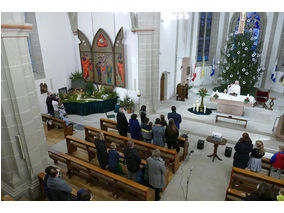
{"x": 257, "y": 153}
{"x": 101, "y": 150}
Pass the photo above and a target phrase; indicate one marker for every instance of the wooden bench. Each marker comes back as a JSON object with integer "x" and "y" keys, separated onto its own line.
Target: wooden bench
{"x": 41, "y": 176}
{"x": 7, "y": 198}
{"x": 233, "y": 117}
{"x": 73, "y": 143}
{"x": 68, "y": 130}
{"x": 110, "y": 124}
{"x": 244, "y": 181}
{"x": 119, "y": 186}
{"x": 145, "y": 150}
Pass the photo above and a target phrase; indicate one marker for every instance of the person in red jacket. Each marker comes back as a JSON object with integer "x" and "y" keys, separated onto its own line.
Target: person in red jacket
{"x": 277, "y": 161}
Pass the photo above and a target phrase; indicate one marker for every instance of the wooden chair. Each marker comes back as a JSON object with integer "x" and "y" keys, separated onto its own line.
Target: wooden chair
{"x": 261, "y": 97}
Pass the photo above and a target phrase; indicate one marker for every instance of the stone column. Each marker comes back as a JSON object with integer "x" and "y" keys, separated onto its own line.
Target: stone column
{"x": 23, "y": 145}
{"x": 148, "y": 59}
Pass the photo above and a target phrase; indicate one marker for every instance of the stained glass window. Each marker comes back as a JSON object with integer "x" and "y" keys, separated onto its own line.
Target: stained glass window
{"x": 204, "y": 35}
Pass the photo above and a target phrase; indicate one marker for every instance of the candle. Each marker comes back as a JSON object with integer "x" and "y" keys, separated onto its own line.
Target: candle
{"x": 248, "y": 95}
{"x": 204, "y": 109}
{"x": 193, "y": 107}
{"x": 197, "y": 108}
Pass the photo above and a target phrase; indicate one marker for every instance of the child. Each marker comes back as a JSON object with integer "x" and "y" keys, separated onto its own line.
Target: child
{"x": 65, "y": 118}
{"x": 113, "y": 157}
{"x": 280, "y": 197}
{"x": 61, "y": 110}
{"x": 147, "y": 131}
{"x": 277, "y": 161}
{"x": 257, "y": 153}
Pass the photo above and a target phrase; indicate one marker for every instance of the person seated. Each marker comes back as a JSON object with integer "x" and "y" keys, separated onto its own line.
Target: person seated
{"x": 84, "y": 195}
{"x": 277, "y": 161}
{"x": 59, "y": 189}
{"x": 65, "y": 118}
{"x": 234, "y": 89}
{"x": 262, "y": 193}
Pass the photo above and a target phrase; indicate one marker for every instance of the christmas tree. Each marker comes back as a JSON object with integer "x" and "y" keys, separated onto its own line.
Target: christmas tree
{"x": 241, "y": 60}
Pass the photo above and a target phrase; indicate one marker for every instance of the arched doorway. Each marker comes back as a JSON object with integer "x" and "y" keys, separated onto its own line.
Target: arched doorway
{"x": 162, "y": 87}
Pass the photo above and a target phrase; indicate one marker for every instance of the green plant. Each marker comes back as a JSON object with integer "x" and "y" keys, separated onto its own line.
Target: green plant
{"x": 76, "y": 76}
{"x": 216, "y": 96}
{"x": 89, "y": 87}
{"x": 127, "y": 102}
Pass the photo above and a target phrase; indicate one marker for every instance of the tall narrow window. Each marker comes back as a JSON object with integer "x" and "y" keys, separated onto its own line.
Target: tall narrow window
{"x": 204, "y": 36}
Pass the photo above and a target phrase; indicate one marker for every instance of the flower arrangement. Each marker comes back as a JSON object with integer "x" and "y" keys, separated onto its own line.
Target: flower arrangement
{"x": 216, "y": 96}
{"x": 202, "y": 92}
{"x": 246, "y": 100}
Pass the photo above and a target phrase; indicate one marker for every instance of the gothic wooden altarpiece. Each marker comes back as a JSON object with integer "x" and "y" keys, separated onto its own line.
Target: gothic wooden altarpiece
{"x": 102, "y": 63}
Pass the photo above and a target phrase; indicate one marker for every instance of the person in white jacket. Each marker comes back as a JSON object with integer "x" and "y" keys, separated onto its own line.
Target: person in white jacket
{"x": 234, "y": 88}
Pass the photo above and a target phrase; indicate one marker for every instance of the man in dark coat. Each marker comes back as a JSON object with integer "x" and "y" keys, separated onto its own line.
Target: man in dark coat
{"x": 133, "y": 161}
{"x": 50, "y": 109}
{"x": 122, "y": 124}
{"x": 58, "y": 188}
{"x": 243, "y": 147}
{"x": 175, "y": 116}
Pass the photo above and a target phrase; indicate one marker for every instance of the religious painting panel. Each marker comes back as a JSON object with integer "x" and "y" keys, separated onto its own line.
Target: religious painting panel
{"x": 102, "y": 51}
{"x": 86, "y": 57}
{"x": 119, "y": 60}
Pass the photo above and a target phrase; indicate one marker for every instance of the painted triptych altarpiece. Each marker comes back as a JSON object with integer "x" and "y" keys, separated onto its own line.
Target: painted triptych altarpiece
{"x": 103, "y": 63}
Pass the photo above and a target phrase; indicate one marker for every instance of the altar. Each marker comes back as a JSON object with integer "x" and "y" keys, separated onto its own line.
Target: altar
{"x": 232, "y": 105}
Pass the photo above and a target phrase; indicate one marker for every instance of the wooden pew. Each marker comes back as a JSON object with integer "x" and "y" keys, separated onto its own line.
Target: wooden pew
{"x": 170, "y": 156}
{"x": 120, "y": 186}
{"x": 73, "y": 143}
{"x": 244, "y": 181}
{"x": 7, "y": 198}
{"x": 68, "y": 130}
{"x": 40, "y": 177}
{"x": 110, "y": 124}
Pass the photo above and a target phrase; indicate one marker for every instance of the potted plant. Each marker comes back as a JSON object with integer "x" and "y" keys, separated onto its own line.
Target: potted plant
{"x": 202, "y": 92}
{"x": 246, "y": 100}
{"x": 216, "y": 96}
{"x": 89, "y": 87}
{"x": 77, "y": 80}
{"x": 127, "y": 103}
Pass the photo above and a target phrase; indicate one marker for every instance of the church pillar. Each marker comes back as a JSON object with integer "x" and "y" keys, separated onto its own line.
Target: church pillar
{"x": 148, "y": 59}
{"x": 23, "y": 145}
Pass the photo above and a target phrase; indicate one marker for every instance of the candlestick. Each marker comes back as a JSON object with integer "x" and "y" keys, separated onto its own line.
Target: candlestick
{"x": 204, "y": 109}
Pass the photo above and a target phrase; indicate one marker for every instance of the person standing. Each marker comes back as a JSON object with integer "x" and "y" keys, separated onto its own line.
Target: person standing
{"x": 277, "y": 162}
{"x": 134, "y": 127}
{"x": 48, "y": 102}
{"x": 147, "y": 133}
{"x": 257, "y": 153}
{"x": 243, "y": 147}
{"x": 113, "y": 157}
{"x": 163, "y": 121}
{"x": 101, "y": 150}
{"x": 143, "y": 114}
{"x": 156, "y": 172}
{"x": 171, "y": 135}
{"x": 175, "y": 116}
{"x": 158, "y": 133}
{"x": 122, "y": 124}
{"x": 58, "y": 188}
{"x": 55, "y": 107}
{"x": 133, "y": 161}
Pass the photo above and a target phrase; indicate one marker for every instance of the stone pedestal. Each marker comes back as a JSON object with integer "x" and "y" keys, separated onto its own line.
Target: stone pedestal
{"x": 23, "y": 145}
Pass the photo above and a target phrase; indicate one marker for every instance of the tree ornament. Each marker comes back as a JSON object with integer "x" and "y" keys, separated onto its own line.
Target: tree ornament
{"x": 238, "y": 52}
{"x": 244, "y": 82}
{"x": 246, "y": 48}
{"x": 246, "y": 73}
{"x": 231, "y": 76}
